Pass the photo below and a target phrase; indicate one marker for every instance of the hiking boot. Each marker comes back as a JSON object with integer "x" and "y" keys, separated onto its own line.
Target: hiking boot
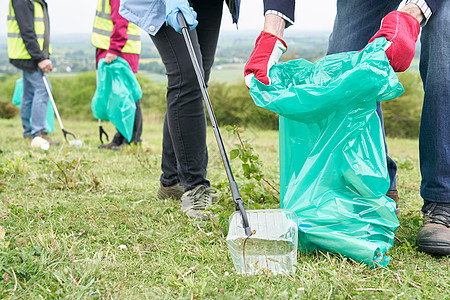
{"x": 43, "y": 134}
{"x": 393, "y": 194}
{"x": 194, "y": 202}
{"x": 111, "y": 146}
{"x": 434, "y": 236}
{"x": 174, "y": 191}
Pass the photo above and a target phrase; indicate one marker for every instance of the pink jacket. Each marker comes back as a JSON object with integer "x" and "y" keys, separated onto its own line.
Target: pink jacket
{"x": 119, "y": 38}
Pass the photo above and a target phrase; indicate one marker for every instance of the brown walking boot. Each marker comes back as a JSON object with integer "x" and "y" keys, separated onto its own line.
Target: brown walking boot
{"x": 434, "y": 236}
{"x": 393, "y": 194}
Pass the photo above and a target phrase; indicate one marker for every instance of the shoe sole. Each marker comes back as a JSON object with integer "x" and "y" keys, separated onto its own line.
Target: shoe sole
{"x": 197, "y": 214}
{"x": 435, "y": 247}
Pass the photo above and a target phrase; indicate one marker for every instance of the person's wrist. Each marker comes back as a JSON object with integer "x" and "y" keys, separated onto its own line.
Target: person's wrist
{"x": 413, "y": 10}
{"x": 275, "y": 25}
{"x": 112, "y": 51}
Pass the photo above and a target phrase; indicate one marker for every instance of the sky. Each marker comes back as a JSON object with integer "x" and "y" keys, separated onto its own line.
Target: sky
{"x": 78, "y": 16}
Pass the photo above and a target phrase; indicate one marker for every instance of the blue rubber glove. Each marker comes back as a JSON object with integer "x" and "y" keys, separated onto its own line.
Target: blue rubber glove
{"x": 172, "y": 9}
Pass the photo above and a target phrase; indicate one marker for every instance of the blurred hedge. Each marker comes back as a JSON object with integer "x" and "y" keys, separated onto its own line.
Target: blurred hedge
{"x": 402, "y": 115}
{"x": 231, "y": 102}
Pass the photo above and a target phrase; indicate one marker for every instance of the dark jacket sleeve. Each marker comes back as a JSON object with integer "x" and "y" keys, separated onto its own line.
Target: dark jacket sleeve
{"x": 434, "y": 4}
{"x": 24, "y": 10}
{"x": 286, "y": 7}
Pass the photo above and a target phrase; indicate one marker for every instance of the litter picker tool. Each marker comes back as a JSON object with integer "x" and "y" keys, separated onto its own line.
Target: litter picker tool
{"x": 233, "y": 186}
{"x": 274, "y": 235}
{"x": 102, "y": 131}
{"x": 74, "y": 142}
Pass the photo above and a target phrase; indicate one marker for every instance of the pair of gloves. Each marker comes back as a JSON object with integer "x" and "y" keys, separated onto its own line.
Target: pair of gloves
{"x": 400, "y": 28}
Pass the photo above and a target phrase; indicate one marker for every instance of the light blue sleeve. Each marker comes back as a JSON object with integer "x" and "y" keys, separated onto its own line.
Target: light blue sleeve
{"x": 147, "y": 14}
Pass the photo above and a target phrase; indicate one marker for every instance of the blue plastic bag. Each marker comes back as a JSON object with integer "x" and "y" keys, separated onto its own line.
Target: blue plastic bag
{"x": 117, "y": 92}
{"x": 333, "y": 170}
{"x": 17, "y": 100}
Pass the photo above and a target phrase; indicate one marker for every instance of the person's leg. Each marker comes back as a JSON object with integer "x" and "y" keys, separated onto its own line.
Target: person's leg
{"x": 40, "y": 102}
{"x": 434, "y": 137}
{"x": 184, "y": 130}
{"x": 25, "y": 106}
{"x": 118, "y": 139}
{"x": 169, "y": 164}
{"x": 137, "y": 128}
{"x": 356, "y": 22}
{"x": 184, "y": 133}
{"x": 209, "y": 16}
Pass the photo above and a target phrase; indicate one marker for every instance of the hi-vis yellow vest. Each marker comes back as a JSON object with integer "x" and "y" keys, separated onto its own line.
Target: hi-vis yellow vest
{"x": 16, "y": 46}
{"x": 103, "y": 27}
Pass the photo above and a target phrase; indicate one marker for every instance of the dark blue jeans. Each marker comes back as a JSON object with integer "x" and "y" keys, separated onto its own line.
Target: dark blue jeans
{"x": 356, "y": 22}
{"x": 185, "y": 155}
{"x": 434, "y": 137}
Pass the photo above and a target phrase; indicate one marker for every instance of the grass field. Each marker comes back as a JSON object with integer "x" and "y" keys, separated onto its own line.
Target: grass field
{"x": 86, "y": 224}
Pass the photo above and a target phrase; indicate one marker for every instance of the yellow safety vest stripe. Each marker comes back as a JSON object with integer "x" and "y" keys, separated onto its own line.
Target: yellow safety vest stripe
{"x": 103, "y": 28}
{"x": 16, "y": 46}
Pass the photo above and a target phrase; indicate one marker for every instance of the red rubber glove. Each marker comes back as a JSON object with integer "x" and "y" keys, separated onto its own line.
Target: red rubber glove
{"x": 402, "y": 30}
{"x": 267, "y": 52}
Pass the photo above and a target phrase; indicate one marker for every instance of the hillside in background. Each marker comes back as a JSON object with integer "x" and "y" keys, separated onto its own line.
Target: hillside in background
{"x": 74, "y": 53}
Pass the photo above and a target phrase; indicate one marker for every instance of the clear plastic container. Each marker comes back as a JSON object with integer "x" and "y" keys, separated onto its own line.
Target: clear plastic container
{"x": 272, "y": 248}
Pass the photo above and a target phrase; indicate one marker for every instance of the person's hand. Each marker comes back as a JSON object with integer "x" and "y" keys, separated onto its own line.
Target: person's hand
{"x": 45, "y": 65}
{"x": 267, "y": 52}
{"x": 172, "y": 9}
{"x": 402, "y": 30}
{"x": 110, "y": 58}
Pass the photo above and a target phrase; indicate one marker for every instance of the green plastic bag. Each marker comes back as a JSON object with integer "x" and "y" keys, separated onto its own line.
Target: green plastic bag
{"x": 333, "y": 170}
{"x": 17, "y": 100}
{"x": 116, "y": 95}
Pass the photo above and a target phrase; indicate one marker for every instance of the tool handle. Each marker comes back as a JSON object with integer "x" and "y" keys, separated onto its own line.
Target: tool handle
{"x": 49, "y": 92}
{"x": 233, "y": 186}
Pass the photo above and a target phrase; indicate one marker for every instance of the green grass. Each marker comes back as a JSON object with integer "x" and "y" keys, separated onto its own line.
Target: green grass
{"x": 85, "y": 223}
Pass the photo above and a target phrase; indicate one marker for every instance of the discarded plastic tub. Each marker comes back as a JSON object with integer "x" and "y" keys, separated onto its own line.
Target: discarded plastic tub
{"x": 272, "y": 248}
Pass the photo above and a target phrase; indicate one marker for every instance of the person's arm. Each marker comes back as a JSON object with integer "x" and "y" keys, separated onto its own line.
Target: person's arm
{"x": 282, "y": 8}
{"x": 274, "y": 24}
{"x": 269, "y": 46}
{"x": 24, "y": 10}
{"x": 414, "y": 10}
{"x": 428, "y": 7}
{"x": 119, "y": 36}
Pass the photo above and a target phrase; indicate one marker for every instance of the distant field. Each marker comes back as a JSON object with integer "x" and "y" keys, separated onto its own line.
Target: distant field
{"x": 158, "y": 78}
{"x": 227, "y": 73}
{"x": 148, "y": 60}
